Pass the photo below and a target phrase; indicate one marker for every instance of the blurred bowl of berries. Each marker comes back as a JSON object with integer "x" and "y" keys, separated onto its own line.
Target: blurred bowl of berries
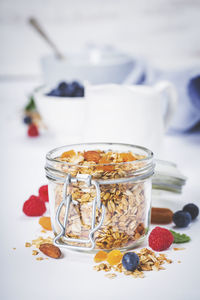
{"x": 62, "y": 107}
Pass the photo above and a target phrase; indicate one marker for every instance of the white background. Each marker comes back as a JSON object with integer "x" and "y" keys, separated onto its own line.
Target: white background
{"x": 167, "y": 34}
{"x": 164, "y": 31}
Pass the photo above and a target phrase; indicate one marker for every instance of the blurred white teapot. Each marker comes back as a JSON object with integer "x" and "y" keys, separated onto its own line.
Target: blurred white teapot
{"x": 129, "y": 114}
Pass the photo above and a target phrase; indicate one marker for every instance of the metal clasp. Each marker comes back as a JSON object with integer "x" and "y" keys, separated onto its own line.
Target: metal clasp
{"x": 67, "y": 199}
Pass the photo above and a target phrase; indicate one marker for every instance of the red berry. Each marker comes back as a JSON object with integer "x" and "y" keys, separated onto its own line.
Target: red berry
{"x": 43, "y": 193}
{"x": 33, "y": 130}
{"x": 34, "y": 207}
{"x": 160, "y": 239}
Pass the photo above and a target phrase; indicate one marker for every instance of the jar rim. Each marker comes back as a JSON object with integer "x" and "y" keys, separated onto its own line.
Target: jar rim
{"x": 149, "y": 153}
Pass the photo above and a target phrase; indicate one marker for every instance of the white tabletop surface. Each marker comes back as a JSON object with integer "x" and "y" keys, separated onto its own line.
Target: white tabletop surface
{"x": 73, "y": 277}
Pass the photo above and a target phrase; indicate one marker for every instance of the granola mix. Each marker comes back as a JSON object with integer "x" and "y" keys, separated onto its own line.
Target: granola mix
{"x": 148, "y": 261}
{"x": 127, "y": 204}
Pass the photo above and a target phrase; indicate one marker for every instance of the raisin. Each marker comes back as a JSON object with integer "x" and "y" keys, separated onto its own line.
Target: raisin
{"x": 114, "y": 257}
{"x": 45, "y": 222}
{"x": 92, "y": 156}
{"x": 100, "y": 256}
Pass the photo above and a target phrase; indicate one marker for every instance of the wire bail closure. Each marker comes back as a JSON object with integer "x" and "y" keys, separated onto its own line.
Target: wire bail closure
{"x": 67, "y": 199}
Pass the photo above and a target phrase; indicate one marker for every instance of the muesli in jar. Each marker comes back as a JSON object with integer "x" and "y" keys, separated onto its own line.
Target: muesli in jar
{"x": 100, "y": 195}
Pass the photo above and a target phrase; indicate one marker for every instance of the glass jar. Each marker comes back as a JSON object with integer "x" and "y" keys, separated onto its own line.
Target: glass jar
{"x": 100, "y": 206}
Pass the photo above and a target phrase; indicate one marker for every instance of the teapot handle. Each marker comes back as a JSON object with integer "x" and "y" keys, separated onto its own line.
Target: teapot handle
{"x": 165, "y": 87}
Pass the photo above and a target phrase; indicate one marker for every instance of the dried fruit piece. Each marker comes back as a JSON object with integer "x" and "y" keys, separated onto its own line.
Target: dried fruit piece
{"x": 45, "y": 222}
{"x": 100, "y": 256}
{"x": 108, "y": 168}
{"x": 43, "y": 193}
{"x": 34, "y": 207}
{"x": 92, "y": 156}
{"x": 161, "y": 215}
{"x": 50, "y": 250}
{"x": 114, "y": 257}
{"x": 68, "y": 154}
{"x": 127, "y": 157}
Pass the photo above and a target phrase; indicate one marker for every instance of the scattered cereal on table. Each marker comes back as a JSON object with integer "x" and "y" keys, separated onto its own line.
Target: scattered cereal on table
{"x": 40, "y": 240}
{"x": 148, "y": 261}
{"x": 111, "y": 275}
{"x": 177, "y": 249}
{"x": 39, "y": 258}
{"x": 102, "y": 267}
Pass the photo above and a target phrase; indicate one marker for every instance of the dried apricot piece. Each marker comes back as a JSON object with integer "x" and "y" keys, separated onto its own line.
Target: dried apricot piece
{"x": 100, "y": 256}
{"x": 45, "y": 222}
{"x": 92, "y": 156}
{"x": 108, "y": 168}
{"x": 127, "y": 157}
{"x": 68, "y": 154}
{"x": 114, "y": 257}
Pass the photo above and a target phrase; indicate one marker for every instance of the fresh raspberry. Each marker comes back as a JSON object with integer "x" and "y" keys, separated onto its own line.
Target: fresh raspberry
{"x": 160, "y": 239}
{"x": 43, "y": 193}
{"x": 33, "y": 130}
{"x": 34, "y": 207}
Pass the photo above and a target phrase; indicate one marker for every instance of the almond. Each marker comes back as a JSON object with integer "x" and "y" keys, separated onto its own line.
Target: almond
{"x": 50, "y": 250}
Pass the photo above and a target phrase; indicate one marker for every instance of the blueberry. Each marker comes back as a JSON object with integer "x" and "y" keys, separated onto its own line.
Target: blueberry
{"x": 62, "y": 86}
{"x": 76, "y": 84}
{"x": 192, "y": 209}
{"x": 182, "y": 218}
{"x": 130, "y": 261}
{"x": 70, "y": 92}
{"x": 79, "y": 92}
{"x": 73, "y": 89}
{"x": 27, "y": 120}
{"x": 54, "y": 92}
{"x": 78, "y": 89}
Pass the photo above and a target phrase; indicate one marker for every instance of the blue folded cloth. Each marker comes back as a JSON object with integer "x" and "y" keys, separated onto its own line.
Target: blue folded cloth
{"x": 187, "y": 83}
